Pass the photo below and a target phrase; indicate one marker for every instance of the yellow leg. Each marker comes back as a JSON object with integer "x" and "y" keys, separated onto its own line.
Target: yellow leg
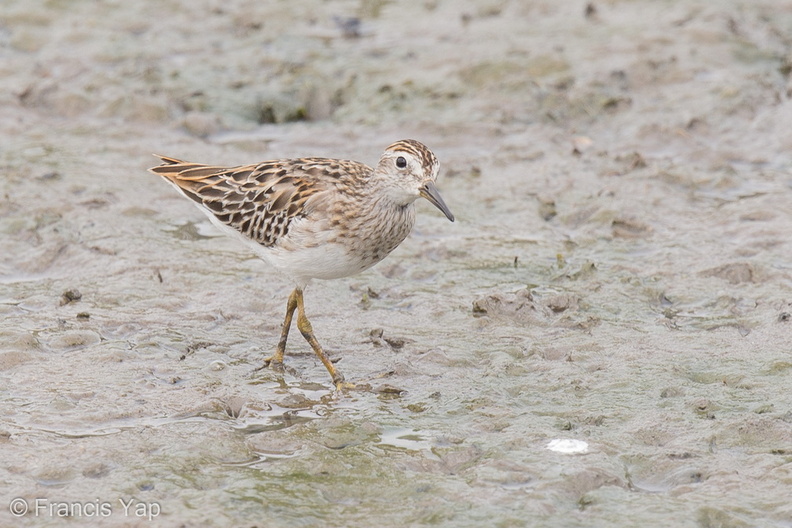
{"x": 307, "y": 331}
{"x": 276, "y": 361}
{"x": 295, "y": 302}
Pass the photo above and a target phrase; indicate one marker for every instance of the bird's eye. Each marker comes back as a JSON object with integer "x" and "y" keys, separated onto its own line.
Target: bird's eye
{"x": 401, "y": 162}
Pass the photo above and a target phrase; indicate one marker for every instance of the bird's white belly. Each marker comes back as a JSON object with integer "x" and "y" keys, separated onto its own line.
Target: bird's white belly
{"x": 327, "y": 261}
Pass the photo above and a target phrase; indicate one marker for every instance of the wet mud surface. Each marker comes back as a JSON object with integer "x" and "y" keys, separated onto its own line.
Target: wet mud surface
{"x": 620, "y": 271}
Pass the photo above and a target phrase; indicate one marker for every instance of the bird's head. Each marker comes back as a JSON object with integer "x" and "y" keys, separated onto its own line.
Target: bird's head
{"x": 410, "y": 170}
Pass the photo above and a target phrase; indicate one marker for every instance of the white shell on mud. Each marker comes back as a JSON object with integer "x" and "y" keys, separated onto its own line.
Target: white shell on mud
{"x": 567, "y": 446}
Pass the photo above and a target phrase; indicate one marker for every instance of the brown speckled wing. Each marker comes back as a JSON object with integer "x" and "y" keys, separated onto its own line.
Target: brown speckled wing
{"x": 260, "y": 201}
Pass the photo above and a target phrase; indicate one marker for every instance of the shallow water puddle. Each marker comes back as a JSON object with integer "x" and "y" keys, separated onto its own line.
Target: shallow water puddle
{"x": 303, "y": 403}
{"x": 275, "y": 419}
{"x": 261, "y": 458}
{"x": 404, "y": 438}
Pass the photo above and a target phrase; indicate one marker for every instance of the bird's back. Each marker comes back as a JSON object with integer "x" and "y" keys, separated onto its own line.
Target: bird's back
{"x": 260, "y": 201}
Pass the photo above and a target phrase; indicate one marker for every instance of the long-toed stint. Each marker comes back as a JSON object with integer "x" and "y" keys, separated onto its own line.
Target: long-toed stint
{"x": 314, "y": 218}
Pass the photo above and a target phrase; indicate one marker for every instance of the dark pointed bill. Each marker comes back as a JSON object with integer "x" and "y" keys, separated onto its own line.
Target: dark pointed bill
{"x": 430, "y": 192}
